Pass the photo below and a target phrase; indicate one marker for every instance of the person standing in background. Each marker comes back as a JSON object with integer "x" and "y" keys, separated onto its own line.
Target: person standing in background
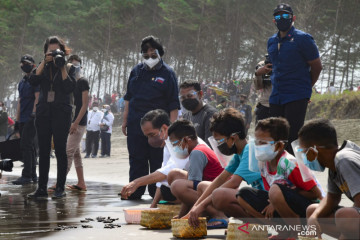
{"x": 106, "y": 130}
{"x": 3, "y": 122}
{"x": 93, "y": 131}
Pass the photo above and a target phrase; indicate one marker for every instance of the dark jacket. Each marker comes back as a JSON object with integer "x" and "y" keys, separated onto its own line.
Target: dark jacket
{"x": 63, "y": 90}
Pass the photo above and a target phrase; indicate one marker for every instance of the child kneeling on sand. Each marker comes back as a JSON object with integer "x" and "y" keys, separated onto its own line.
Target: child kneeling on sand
{"x": 203, "y": 164}
{"x": 319, "y": 147}
{"x": 286, "y": 195}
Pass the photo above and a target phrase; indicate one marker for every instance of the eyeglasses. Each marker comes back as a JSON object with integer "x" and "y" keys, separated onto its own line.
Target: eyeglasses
{"x": 175, "y": 143}
{"x": 284, "y": 16}
{"x": 305, "y": 150}
{"x": 146, "y": 56}
{"x": 189, "y": 95}
{"x": 220, "y": 141}
{"x": 263, "y": 142}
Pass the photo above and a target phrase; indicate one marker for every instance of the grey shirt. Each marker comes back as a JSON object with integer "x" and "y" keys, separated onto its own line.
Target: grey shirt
{"x": 265, "y": 90}
{"x": 346, "y": 177}
{"x": 198, "y": 162}
{"x": 201, "y": 121}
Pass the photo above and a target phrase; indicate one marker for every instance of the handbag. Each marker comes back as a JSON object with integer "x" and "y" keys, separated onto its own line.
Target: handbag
{"x": 104, "y": 128}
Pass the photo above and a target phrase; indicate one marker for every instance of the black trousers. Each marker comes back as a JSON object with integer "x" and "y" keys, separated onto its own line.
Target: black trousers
{"x": 27, "y": 145}
{"x": 105, "y": 143}
{"x": 142, "y": 158}
{"x": 261, "y": 112}
{"x": 92, "y": 142}
{"x": 295, "y": 113}
{"x": 56, "y": 125}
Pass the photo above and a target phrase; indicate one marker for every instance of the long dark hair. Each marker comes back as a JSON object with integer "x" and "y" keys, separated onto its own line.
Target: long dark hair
{"x": 56, "y": 39}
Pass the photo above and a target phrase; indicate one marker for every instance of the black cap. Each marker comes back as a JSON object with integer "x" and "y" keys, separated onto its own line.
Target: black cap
{"x": 27, "y": 58}
{"x": 283, "y": 7}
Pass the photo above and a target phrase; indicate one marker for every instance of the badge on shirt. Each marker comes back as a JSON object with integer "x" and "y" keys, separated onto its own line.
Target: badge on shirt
{"x": 51, "y": 96}
{"x": 159, "y": 80}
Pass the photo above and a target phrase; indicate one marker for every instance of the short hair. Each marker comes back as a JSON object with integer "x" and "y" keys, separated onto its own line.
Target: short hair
{"x": 191, "y": 83}
{"x": 277, "y": 127}
{"x": 182, "y": 128}
{"x": 319, "y": 132}
{"x": 152, "y": 42}
{"x": 227, "y": 122}
{"x": 76, "y": 58}
{"x": 56, "y": 40}
{"x": 157, "y": 117}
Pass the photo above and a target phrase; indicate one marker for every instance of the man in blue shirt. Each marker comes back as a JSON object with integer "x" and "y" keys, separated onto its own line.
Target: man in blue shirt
{"x": 296, "y": 67}
{"x": 25, "y": 116}
{"x": 151, "y": 85}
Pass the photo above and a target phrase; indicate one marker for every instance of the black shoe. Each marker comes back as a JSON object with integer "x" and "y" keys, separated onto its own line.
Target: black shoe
{"x": 94, "y": 156}
{"x": 38, "y": 194}
{"x": 22, "y": 181}
{"x": 86, "y": 156}
{"x": 34, "y": 179}
{"x": 58, "y": 194}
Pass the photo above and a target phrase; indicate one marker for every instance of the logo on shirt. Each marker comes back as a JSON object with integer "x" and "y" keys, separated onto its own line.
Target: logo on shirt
{"x": 159, "y": 80}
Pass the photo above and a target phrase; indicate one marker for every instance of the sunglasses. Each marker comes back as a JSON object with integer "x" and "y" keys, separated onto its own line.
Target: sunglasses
{"x": 189, "y": 95}
{"x": 284, "y": 16}
{"x": 153, "y": 56}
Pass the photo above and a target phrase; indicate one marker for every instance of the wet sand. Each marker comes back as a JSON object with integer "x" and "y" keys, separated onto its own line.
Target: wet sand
{"x": 24, "y": 219}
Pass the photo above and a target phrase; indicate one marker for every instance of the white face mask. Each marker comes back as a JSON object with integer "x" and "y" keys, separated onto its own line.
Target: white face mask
{"x": 265, "y": 153}
{"x": 1, "y": 108}
{"x": 151, "y": 62}
{"x": 103, "y": 110}
{"x": 95, "y": 109}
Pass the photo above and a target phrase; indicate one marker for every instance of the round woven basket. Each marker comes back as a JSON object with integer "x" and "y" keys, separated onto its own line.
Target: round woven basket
{"x": 156, "y": 219}
{"x": 175, "y": 208}
{"x": 233, "y": 232}
{"x": 181, "y": 228}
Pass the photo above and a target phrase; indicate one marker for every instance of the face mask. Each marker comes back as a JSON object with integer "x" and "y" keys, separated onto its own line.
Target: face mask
{"x": 77, "y": 72}
{"x": 224, "y": 149}
{"x": 1, "y": 109}
{"x": 242, "y": 101}
{"x": 181, "y": 153}
{"x": 26, "y": 68}
{"x": 156, "y": 141}
{"x": 190, "y": 104}
{"x": 313, "y": 165}
{"x": 283, "y": 24}
{"x": 151, "y": 62}
{"x": 265, "y": 153}
{"x": 95, "y": 109}
{"x": 103, "y": 110}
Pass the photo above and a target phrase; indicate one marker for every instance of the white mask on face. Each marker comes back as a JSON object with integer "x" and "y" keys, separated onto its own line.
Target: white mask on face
{"x": 1, "y": 108}
{"x": 151, "y": 62}
{"x": 95, "y": 109}
{"x": 265, "y": 153}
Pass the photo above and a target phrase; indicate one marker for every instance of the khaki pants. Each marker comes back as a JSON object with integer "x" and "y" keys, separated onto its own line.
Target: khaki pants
{"x": 73, "y": 148}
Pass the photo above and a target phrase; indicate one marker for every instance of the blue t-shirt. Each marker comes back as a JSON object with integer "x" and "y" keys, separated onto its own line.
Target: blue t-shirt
{"x": 239, "y": 165}
{"x": 290, "y": 78}
{"x": 27, "y": 98}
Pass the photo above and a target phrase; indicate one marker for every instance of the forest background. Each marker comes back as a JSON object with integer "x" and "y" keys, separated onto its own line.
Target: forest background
{"x": 206, "y": 40}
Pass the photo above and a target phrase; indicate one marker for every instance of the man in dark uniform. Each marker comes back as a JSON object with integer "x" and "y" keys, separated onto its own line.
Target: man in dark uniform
{"x": 25, "y": 121}
{"x": 152, "y": 85}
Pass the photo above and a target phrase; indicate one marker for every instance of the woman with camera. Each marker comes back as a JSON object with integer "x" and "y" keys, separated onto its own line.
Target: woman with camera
{"x": 53, "y": 113}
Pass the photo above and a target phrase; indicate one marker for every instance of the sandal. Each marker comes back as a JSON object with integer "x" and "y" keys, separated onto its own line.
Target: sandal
{"x": 223, "y": 223}
{"x": 76, "y": 187}
{"x": 51, "y": 189}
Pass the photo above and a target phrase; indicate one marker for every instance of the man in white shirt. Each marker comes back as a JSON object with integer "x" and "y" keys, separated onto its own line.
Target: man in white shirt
{"x": 93, "y": 130}
{"x": 154, "y": 126}
{"x": 106, "y": 130}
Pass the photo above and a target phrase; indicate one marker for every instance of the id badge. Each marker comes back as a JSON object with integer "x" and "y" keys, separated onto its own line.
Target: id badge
{"x": 51, "y": 96}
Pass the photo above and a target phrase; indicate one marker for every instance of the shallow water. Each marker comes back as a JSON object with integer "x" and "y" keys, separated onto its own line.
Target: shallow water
{"x": 21, "y": 218}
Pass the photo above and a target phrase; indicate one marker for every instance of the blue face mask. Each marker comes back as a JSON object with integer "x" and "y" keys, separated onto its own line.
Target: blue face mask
{"x": 181, "y": 153}
{"x": 313, "y": 165}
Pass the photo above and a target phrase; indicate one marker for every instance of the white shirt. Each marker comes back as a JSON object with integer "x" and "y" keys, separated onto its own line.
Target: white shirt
{"x": 108, "y": 120}
{"x": 94, "y": 119}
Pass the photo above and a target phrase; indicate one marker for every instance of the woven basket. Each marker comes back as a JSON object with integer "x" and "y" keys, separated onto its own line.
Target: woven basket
{"x": 175, "y": 208}
{"x": 181, "y": 228}
{"x": 156, "y": 219}
{"x": 234, "y": 233}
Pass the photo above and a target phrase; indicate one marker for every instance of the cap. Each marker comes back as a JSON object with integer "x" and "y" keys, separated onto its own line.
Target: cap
{"x": 27, "y": 58}
{"x": 283, "y": 7}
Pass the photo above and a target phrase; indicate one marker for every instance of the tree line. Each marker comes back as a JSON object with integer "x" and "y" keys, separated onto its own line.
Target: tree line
{"x": 206, "y": 40}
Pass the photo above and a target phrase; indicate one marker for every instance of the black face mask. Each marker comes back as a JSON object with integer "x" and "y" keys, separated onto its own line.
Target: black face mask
{"x": 224, "y": 149}
{"x": 242, "y": 101}
{"x": 27, "y": 68}
{"x": 190, "y": 104}
{"x": 283, "y": 24}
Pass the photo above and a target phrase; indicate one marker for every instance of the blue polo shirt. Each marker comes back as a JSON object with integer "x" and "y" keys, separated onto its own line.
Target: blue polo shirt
{"x": 27, "y": 98}
{"x": 291, "y": 80}
{"x": 150, "y": 89}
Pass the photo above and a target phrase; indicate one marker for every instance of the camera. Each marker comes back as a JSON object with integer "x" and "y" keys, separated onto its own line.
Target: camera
{"x": 266, "y": 77}
{"x": 59, "y": 57}
{"x": 6, "y": 165}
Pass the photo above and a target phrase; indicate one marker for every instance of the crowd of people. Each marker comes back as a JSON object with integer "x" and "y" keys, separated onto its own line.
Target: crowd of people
{"x": 188, "y": 146}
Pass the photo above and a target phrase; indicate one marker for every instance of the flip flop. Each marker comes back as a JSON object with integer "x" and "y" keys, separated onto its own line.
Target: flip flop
{"x": 51, "y": 189}
{"x": 223, "y": 224}
{"x": 76, "y": 187}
